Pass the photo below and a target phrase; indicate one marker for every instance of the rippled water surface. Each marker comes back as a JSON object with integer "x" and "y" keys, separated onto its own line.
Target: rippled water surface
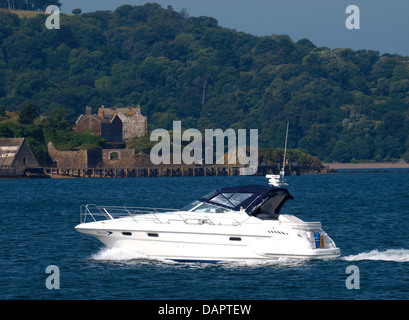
{"x": 366, "y": 214}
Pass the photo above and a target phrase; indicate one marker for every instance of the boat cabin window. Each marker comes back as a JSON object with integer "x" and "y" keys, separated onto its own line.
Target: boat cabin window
{"x": 269, "y": 209}
{"x": 209, "y": 208}
{"x": 231, "y": 199}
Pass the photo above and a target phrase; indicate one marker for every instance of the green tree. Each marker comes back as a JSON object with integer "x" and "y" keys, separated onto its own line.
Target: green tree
{"x": 28, "y": 5}
{"x": 57, "y": 120}
{"x": 316, "y": 140}
{"x": 341, "y": 152}
{"x": 23, "y": 51}
{"x": 85, "y": 64}
{"x": 395, "y": 125}
{"x": 406, "y": 157}
{"x": 31, "y": 83}
{"x": 6, "y": 131}
{"x": 360, "y": 149}
{"x": 27, "y": 114}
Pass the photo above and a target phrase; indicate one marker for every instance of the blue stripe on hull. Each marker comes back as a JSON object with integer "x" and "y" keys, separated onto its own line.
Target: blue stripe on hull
{"x": 194, "y": 261}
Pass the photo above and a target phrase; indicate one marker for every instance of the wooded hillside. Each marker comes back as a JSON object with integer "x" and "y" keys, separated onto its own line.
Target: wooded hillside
{"x": 342, "y": 104}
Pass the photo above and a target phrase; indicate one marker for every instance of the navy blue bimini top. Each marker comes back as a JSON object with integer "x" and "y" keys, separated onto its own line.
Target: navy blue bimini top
{"x": 249, "y": 197}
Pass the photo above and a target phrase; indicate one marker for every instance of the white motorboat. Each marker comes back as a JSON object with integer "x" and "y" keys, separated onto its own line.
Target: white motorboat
{"x": 232, "y": 223}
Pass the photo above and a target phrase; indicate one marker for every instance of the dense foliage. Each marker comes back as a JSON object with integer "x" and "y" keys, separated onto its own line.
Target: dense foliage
{"x": 342, "y": 104}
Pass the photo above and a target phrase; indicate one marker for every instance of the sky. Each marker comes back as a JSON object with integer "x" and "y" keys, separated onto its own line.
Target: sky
{"x": 383, "y": 24}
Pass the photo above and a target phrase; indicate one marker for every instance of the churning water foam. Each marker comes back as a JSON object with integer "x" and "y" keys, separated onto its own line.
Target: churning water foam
{"x": 397, "y": 255}
{"x": 128, "y": 256}
{"x": 122, "y": 255}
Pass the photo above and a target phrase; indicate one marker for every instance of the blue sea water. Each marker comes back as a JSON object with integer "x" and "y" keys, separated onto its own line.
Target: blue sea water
{"x": 366, "y": 214}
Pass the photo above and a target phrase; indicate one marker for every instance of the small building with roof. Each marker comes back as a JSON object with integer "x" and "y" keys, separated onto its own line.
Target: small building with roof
{"x": 15, "y": 153}
{"x": 108, "y": 127}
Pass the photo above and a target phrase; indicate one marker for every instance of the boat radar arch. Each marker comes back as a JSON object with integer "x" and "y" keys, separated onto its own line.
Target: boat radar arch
{"x": 276, "y": 180}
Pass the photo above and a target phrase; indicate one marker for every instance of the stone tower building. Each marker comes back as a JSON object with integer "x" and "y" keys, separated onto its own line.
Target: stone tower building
{"x": 132, "y": 123}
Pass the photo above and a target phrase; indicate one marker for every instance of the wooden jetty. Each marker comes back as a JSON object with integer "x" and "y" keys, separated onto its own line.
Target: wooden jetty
{"x": 142, "y": 172}
{"x": 171, "y": 171}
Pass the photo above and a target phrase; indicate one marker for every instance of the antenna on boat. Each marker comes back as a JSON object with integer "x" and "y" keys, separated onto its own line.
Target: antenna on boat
{"x": 282, "y": 173}
{"x": 276, "y": 180}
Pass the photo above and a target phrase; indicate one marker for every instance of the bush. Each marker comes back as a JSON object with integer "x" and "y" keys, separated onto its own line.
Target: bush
{"x": 67, "y": 140}
{"x": 28, "y": 114}
{"x": 141, "y": 144}
{"x": 406, "y": 157}
{"x": 6, "y": 131}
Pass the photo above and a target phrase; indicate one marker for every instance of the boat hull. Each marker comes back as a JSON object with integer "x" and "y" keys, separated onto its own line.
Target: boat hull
{"x": 208, "y": 243}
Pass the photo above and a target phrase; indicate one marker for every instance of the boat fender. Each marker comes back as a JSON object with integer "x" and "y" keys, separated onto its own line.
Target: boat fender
{"x": 317, "y": 240}
{"x": 322, "y": 241}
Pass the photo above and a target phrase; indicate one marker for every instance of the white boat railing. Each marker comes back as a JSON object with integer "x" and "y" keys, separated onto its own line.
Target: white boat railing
{"x": 93, "y": 213}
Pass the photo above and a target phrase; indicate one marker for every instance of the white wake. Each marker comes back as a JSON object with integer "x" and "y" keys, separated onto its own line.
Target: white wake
{"x": 125, "y": 256}
{"x": 122, "y": 255}
{"x": 397, "y": 255}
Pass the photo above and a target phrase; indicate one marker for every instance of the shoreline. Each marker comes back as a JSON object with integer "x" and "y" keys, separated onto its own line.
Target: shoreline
{"x": 370, "y": 165}
{"x": 329, "y": 168}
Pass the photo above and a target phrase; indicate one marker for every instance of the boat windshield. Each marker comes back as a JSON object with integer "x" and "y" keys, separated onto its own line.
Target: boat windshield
{"x": 191, "y": 205}
{"x": 251, "y": 198}
{"x": 198, "y": 206}
{"x": 231, "y": 199}
{"x": 209, "y": 208}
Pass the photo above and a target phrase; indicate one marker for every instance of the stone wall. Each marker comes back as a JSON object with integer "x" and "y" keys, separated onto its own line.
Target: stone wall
{"x": 119, "y": 158}
{"x": 97, "y": 158}
{"x": 68, "y": 159}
